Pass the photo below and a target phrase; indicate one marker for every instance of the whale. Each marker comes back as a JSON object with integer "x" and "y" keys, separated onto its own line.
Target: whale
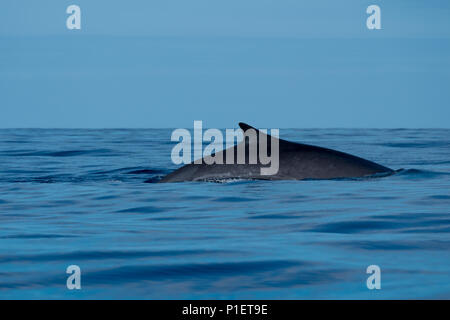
{"x": 297, "y": 161}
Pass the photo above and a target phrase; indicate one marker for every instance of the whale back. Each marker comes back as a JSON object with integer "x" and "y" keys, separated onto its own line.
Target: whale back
{"x": 296, "y": 162}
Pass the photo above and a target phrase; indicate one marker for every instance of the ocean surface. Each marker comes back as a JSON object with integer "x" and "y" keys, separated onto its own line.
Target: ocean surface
{"x": 86, "y": 198}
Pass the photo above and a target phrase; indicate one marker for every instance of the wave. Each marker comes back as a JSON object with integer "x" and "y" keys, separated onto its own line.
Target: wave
{"x": 425, "y": 144}
{"x": 419, "y": 173}
{"x": 154, "y": 175}
{"x": 120, "y": 174}
{"x": 62, "y": 153}
{"x": 132, "y": 170}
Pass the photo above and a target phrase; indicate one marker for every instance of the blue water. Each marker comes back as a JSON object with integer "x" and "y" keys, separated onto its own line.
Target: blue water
{"x": 79, "y": 197}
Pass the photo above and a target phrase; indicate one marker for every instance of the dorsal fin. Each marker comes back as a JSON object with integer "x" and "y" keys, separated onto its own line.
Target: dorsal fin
{"x": 245, "y": 126}
{"x": 283, "y": 144}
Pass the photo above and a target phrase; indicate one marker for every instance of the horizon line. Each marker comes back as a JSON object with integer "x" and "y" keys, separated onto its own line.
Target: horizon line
{"x": 165, "y": 128}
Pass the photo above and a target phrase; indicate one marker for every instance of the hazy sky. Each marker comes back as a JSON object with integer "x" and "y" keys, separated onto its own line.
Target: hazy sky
{"x": 278, "y": 63}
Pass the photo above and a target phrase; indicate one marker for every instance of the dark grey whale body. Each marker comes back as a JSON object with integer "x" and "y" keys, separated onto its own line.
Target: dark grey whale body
{"x": 296, "y": 162}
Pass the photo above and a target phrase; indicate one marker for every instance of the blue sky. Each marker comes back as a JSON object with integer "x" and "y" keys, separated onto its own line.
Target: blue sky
{"x": 270, "y": 63}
